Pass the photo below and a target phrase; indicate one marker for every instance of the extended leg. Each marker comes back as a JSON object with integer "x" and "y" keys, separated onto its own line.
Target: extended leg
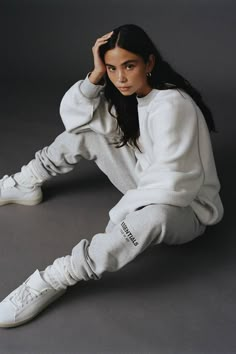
{"x": 107, "y": 251}
{"x": 113, "y": 249}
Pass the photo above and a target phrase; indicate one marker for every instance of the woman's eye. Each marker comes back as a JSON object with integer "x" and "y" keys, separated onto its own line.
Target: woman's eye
{"x": 130, "y": 66}
{"x": 111, "y": 68}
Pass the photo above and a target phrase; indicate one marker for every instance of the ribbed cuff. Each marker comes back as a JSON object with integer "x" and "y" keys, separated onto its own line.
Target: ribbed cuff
{"x": 60, "y": 274}
{"x": 31, "y": 175}
{"x": 88, "y": 89}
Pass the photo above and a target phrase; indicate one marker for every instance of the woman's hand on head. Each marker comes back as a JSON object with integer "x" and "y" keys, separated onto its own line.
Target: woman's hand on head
{"x": 99, "y": 67}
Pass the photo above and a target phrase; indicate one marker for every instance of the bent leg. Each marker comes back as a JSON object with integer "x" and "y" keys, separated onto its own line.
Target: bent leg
{"x": 67, "y": 150}
{"x": 117, "y": 246}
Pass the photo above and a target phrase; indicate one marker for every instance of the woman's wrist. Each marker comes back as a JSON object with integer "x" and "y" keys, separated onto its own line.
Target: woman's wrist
{"x": 96, "y": 78}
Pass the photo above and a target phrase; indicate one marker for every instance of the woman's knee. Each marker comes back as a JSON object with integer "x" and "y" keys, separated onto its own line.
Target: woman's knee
{"x": 73, "y": 146}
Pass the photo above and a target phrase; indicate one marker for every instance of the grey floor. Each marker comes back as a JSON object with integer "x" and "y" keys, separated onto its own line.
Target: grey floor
{"x": 179, "y": 299}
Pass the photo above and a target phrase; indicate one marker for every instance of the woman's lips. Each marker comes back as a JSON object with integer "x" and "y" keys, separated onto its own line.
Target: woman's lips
{"x": 124, "y": 88}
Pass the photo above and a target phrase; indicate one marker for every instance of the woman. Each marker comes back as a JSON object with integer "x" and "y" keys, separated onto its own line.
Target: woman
{"x": 147, "y": 129}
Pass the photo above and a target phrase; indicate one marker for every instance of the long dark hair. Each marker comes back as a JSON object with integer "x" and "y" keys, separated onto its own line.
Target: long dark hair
{"x": 134, "y": 39}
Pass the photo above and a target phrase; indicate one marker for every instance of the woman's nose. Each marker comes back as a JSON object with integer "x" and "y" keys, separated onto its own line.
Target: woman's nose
{"x": 121, "y": 76}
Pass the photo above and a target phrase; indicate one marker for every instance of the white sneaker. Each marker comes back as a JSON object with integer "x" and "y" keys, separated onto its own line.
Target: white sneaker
{"x": 11, "y": 192}
{"x": 24, "y": 303}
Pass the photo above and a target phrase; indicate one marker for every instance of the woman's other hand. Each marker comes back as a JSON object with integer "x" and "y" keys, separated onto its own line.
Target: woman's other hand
{"x": 99, "y": 67}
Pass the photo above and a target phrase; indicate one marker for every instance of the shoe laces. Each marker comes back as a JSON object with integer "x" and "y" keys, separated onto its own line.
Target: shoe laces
{"x": 23, "y": 295}
{"x": 7, "y": 182}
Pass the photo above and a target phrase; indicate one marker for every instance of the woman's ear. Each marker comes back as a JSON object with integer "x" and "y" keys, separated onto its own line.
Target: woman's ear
{"x": 151, "y": 62}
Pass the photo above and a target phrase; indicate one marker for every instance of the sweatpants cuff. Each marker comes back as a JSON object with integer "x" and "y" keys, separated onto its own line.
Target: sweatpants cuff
{"x": 39, "y": 171}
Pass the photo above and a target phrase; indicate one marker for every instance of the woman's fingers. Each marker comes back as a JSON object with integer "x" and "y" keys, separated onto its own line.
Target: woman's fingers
{"x": 105, "y": 37}
{"x": 102, "y": 40}
{"x": 107, "y": 34}
{"x": 99, "y": 67}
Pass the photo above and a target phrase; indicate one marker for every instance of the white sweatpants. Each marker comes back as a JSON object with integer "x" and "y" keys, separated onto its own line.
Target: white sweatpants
{"x": 119, "y": 244}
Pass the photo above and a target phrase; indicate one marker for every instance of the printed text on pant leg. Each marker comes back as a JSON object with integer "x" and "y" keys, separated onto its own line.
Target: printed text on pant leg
{"x": 127, "y": 234}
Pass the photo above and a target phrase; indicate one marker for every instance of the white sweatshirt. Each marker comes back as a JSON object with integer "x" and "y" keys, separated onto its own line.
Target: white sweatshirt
{"x": 177, "y": 165}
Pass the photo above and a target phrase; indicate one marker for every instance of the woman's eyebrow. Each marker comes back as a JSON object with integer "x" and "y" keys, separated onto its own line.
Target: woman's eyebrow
{"x": 124, "y": 63}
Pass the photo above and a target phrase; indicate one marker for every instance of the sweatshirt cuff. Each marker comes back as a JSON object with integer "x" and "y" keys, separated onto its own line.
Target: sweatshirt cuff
{"x": 90, "y": 90}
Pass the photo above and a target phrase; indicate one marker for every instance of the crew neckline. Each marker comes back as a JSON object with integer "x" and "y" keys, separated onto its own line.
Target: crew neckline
{"x": 145, "y": 100}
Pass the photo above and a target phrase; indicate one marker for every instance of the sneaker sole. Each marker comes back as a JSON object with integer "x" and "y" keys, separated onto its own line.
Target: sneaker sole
{"x": 10, "y": 325}
{"x": 21, "y": 201}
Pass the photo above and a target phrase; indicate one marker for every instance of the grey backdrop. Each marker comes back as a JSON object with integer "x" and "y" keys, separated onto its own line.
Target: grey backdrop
{"x": 170, "y": 299}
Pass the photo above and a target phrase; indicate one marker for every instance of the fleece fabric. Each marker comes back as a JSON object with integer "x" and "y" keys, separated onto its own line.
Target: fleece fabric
{"x": 176, "y": 166}
{"x": 120, "y": 244}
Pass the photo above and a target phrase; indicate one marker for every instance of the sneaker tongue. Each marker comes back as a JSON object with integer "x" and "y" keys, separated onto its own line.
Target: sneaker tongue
{"x": 36, "y": 282}
{"x": 9, "y": 182}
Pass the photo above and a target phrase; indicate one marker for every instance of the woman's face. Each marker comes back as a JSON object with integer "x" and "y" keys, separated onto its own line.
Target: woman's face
{"x": 128, "y": 71}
